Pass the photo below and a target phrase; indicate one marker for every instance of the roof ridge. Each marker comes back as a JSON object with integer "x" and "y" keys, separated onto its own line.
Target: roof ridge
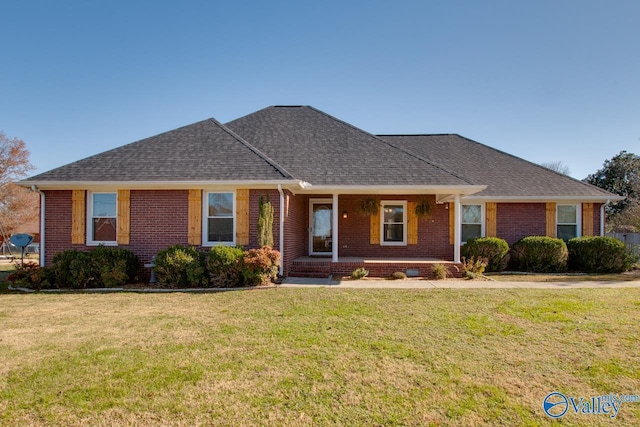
{"x": 585, "y": 184}
{"x": 409, "y": 153}
{"x": 415, "y": 134}
{"x": 259, "y": 153}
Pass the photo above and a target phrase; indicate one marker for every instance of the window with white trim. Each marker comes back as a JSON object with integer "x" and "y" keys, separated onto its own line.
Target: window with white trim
{"x": 472, "y": 222}
{"x": 393, "y": 223}
{"x": 102, "y": 219}
{"x": 567, "y": 221}
{"x": 219, "y": 214}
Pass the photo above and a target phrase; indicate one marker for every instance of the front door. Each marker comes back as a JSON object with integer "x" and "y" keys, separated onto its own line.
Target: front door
{"x": 320, "y": 226}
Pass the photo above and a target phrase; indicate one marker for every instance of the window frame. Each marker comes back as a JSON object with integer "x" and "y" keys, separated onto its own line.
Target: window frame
{"x": 578, "y": 222}
{"x": 483, "y": 219}
{"x": 205, "y": 218}
{"x": 384, "y": 203}
{"x": 90, "y": 218}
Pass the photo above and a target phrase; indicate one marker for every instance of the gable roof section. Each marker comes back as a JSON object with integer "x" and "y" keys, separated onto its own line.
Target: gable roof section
{"x": 320, "y": 149}
{"x": 505, "y": 175}
{"x": 203, "y": 151}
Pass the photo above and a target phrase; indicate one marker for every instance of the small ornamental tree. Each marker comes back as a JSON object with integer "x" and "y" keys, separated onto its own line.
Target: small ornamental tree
{"x": 265, "y": 223}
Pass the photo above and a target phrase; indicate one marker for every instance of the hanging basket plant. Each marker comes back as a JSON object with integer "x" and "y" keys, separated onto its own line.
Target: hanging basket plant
{"x": 368, "y": 205}
{"x": 424, "y": 208}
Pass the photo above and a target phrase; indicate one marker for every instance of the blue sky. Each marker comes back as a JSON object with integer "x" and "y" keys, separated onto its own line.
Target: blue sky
{"x": 543, "y": 80}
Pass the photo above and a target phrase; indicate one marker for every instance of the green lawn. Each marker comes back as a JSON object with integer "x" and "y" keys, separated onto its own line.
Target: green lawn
{"x": 320, "y": 356}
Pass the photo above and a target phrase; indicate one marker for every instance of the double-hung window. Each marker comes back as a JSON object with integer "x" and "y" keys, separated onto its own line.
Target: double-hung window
{"x": 102, "y": 219}
{"x": 568, "y": 221}
{"x": 219, "y": 213}
{"x": 472, "y": 223}
{"x": 394, "y": 223}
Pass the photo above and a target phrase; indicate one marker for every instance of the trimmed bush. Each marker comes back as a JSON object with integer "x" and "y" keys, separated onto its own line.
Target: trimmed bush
{"x": 540, "y": 254}
{"x": 398, "y": 275}
{"x": 103, "y": 267}
{"x": 224, "y": 265}
{"x": 30, "y": 276}
{"x": 493, "y": 249}
{"x": 473, "y": 267}
{"x": 180, "y": 267}
{"x": 114, "y": 266}
{"x": 359, "y": 273}
{"x": 439, "y": 272}
{"x": 260, "y": 266}
{"x": 599, "y": 254}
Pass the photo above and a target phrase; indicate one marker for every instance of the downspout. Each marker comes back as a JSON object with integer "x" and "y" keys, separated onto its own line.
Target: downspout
{"x": 602, "y": 207}
{"x": 42, "y": 236}
{"x": 281, "y": 245}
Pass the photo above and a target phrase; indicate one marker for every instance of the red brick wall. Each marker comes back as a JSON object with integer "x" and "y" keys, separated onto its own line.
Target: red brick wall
{"x": 596, "y": 219}
{"x": 353, "y": 232}
{"x": 518, "y": 220}
{"x": 296, "y": 213}
{"x": 159, "y": 219}
{"x": 57, "y": 230}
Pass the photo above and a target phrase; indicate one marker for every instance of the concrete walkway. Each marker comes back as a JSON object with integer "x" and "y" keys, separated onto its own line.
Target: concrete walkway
{"x": 303, "y": 282}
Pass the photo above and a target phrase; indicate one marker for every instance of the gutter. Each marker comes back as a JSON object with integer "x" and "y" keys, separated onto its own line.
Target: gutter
{"x": 281, "y": 245}
{"x": 42, "y": 228}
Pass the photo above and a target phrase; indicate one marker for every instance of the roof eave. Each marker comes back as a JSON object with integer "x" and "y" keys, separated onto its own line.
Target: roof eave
{"x": 393, "y": 189}
{"x": 159, "y": 185}
{"x": 551, "y": 198}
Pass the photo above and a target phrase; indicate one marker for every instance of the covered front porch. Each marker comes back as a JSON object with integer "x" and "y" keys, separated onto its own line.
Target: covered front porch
{"x": 311, "y": 266}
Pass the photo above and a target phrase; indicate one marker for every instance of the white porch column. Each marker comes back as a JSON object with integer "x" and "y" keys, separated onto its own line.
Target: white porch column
{"x": 457, "y": 214}
{"x": 334, "y": 229}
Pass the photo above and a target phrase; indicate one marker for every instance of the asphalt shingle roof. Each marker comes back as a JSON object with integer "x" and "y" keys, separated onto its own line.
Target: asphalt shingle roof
{"x": 504, "y": 174}
{"x": 201, "y": 151}
{"x": 320, "y": 149}
{"x": 304, "y": 144}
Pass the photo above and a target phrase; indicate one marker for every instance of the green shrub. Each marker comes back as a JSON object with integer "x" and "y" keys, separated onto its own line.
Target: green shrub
{"x": 440, "y": 271}
{"x": 398, "y": 275}
{"x": 224, "y": 265}
{"x": 494, "y": 249}
{"x": 265, "y": 223}
{"x": 180, "y": 267}
{"x": 359, "y": 273}
{"x": 102, "y": 267}
{"x": 260, "y": 266}
{"x": 65, "y": 269}
{"x": 115, "y": 267}
{"x": 540, "y": 254}
{"x": 599, "y": 254}
{"x": 473, "y": 267}
{"x": 30, "y": 276}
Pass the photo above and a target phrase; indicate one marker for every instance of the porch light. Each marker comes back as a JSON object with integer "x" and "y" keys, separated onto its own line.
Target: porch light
{"x": 344, "y": 214}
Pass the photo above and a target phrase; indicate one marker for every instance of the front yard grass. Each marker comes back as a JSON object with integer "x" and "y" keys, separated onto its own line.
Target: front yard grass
{"x": 316, "y": 356}
{"x": 564, "y": 277}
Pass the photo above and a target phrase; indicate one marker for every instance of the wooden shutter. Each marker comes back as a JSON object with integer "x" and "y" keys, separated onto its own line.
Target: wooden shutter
{"x": 587, "y": 219}
{"x": 412, "y": 224}
{"x": 452, "y": 220}
{"x": 194, "y": 236}
{"x": 242, "y": 217}
{"x": 492, "y": 219}
{"x": 374, "y": 228}
{"x": 124, "y": 216}
{"x": 78, "y": 216}
{"x": 551, "y": 219}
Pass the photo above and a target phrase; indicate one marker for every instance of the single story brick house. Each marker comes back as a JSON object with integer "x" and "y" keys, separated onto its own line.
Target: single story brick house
{"x": 200, "y": 185}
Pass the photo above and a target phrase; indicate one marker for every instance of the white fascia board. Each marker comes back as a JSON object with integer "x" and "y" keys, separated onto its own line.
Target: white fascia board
{"x": 531, "y": 199}
{"x": 159, "y": 185}
{"x": 392, "y": 189}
